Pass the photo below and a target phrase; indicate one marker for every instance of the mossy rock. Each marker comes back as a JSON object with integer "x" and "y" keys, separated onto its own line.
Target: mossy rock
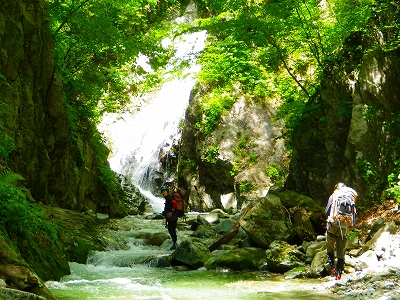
{"x": 315, "y": 211}
{"x": 238, "y": 259}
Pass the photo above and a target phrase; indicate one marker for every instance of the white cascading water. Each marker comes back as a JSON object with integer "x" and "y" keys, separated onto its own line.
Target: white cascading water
{"x": 136, "y": 140}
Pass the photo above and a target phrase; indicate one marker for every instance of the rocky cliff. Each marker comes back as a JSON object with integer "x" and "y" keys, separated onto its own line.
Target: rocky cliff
{"x": 229, "y": 167}
{"x": 353, "y": 134}
{"x": 58, "y": 163}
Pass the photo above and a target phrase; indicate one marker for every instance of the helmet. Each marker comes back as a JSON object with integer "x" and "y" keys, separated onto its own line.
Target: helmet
{"x": 339, "y": 185}
{"x": 164, "y": 188}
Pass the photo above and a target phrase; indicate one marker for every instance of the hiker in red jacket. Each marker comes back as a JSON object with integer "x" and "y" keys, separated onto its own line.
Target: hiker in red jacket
{"x": 170, "y": 214}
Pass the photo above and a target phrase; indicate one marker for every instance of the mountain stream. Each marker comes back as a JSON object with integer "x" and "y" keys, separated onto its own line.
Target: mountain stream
{"x": 129, "y": 274}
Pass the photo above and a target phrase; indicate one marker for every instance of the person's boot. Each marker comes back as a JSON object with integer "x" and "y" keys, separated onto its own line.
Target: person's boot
{"x": 173, "y": 246}
{"x": 339, "y": 268}
{"x": 331, "y": 262}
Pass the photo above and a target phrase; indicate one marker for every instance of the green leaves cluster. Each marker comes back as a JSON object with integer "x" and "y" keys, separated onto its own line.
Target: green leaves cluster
{"x": 213, "y": 106}
{"x": 6, "y": 144}
{"x": 394, "y": 183}
{"x": 277, "y": 50}
{"x": 211, "y": 155}
{"x": 20, "y": 220}
{"x": 246, "y": 187}
{"x": 97, "y": 43}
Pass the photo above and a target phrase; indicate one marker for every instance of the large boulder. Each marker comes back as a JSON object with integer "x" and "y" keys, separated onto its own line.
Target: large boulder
{"x": 267, "y": 221}
{"x": 224, "y": 226}
{"x": 282, "y": 257}
{"x": 304, "y": 210}
{"x": 237, "y": 259}
{"x": 6, "y": 293}
{"x": 243, "y": 142}
{"x": 314, "y": 248}
{"x": 17, "y": 274}
{"x": 191, "y": 253}
{"x": 318, "y": 264}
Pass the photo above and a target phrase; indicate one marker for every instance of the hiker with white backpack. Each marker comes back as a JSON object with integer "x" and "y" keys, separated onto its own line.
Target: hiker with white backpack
{"x": 341, "y": 214}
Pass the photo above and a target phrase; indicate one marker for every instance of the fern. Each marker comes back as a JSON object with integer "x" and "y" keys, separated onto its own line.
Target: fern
{"x": 21, "y": 220}
{"x": 6, "y": 144}
{"x": 7, "y": 177}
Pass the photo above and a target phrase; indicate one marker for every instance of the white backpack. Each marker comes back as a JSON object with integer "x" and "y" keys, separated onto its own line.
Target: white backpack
{"x": 343, "y": 210}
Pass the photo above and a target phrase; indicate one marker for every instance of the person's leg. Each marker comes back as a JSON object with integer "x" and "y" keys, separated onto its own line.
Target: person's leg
{"x": 330, "y": 251}
{"x": 172, "y": 232}
{"x": 341, "y": 250}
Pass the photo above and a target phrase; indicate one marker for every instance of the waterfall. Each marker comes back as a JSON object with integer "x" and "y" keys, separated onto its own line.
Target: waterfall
{"x": 137, "y": 139}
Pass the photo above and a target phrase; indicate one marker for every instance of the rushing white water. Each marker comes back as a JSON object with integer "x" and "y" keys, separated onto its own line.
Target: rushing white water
{"x": 137, "y": 139}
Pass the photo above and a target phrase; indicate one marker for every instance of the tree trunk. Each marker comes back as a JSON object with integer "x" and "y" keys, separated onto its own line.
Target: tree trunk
{"x": 227, "y": 237}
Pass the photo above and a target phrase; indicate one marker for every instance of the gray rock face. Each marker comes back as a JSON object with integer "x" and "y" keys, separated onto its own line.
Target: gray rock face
{"x": 246, "y": 142}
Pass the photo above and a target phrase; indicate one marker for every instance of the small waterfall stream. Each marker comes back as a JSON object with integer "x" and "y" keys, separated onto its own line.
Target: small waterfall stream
{"x": 127, "y": 273}
{"x": 136, "y": 139}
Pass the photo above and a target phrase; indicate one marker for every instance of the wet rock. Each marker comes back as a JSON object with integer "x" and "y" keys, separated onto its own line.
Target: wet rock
{"x": 154, "y": 238}
{"x": 12, "y": 294}
{"x": 224, "y": 226}
{"x": 379, "y": 223}
{"x": 191, "y": 253}
{"x": 237, "y": 259}
{"x": 204, "y": 231}
{"x": 267, "y": 221}
{"x": 282, "y": 257}
{"x": 314, "y": 248}
{"x": 318, "y": 264}
{"x": 163, "y": 261}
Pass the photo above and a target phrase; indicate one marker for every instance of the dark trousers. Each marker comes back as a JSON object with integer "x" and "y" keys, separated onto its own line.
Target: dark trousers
{"x": 171, "y": 224}
{"x": 337, "y": 235}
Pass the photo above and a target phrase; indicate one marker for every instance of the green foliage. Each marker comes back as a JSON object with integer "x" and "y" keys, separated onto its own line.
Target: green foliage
{"x": 97, "y": 43}
{"x": 352, "y": 235}
{"x": 243, "y": 141}
{"x": 235, "y": 169}
{"x": 385, "y": 23}
{"x": 279, "y": 50}
{"x": 370, "y": 112}
{"x": 393, "y": 190}
{"x": 6, "y": 144}
{"x": 365, "y": 169}
{"x": 277, "y": 173}
{"x": 21, "y": 221}
{"x": 246, "y": 187}
{"x": 252, "y": 159}
{"x": 107, "y": 177}
{"x": 189, "y": 163}
{"x": 211, "y": 155}
{"x": 213, "y": 107}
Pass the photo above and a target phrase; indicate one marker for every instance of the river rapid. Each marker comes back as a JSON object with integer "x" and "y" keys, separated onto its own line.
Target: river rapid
{"x": 128, "y": 274}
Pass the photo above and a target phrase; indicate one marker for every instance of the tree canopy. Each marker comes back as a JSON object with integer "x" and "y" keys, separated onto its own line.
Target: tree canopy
{"x": 97, "y": 43}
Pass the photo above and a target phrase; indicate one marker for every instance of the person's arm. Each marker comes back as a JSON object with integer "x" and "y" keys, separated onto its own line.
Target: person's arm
{"x": 174, "y": 204}
{"x": 328, "y": 206}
